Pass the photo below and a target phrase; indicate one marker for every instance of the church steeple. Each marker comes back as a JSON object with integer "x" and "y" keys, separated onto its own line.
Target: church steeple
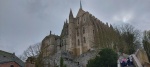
{"x": 80, "y": 4}
{"x": 70, "y": 15}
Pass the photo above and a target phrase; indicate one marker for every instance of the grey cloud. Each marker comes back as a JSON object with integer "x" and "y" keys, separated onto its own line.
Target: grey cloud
{"x": 105, "y": 10}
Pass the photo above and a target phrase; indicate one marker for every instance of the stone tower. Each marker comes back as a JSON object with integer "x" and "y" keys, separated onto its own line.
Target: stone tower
{"x": 72, "y": 33}
{"x": 81, "y": 32}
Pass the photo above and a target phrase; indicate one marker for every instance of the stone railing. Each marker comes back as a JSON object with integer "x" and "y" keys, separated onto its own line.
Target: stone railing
{"x": 136, "y": 61}
{"x": 142, "y": 57}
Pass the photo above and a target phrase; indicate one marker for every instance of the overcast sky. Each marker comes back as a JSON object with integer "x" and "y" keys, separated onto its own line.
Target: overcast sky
{"x": 26, "y": 22}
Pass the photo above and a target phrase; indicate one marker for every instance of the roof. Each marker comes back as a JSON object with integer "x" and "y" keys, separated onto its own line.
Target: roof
{"x": 6, "y": 57}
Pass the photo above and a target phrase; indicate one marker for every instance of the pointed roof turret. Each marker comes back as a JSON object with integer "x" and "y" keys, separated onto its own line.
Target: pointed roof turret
{"x": 70, "y": 15}
{"x": 50, "y": 32}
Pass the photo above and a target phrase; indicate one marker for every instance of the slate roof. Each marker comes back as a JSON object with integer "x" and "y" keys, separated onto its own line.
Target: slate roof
{"x": 6, "y": 57}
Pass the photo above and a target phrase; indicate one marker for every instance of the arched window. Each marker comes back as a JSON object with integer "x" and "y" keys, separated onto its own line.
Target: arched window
{"x": 78, "y": 21}
{"x": 83, "y": 30}
{"x": 84, "y": 39}
{"x": 78, "y": 42}
{"x": 77, "y": 32}
{"x": 93, "y": 31}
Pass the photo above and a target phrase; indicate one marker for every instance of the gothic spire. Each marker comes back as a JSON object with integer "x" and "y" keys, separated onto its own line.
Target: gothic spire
{"x": 70, "y": 15}
{"x": 80, "y": 4}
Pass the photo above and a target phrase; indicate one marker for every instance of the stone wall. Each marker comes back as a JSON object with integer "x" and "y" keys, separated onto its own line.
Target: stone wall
{"x": 142, "y": 56}
{"x": 50, "y": 44}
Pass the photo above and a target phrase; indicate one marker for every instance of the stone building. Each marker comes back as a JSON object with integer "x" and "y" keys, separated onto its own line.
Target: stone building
{"x": 50, "y": 44}
{"x": 79, "y": 34}
{"x": 10, "y": 60}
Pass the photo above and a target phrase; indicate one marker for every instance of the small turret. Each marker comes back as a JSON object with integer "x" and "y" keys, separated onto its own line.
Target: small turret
{"x": 71, "y": 16}
{"x": 50, "y": 32}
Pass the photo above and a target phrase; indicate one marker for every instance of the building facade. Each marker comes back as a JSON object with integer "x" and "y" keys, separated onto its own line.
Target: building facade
{"x": 79, "y": 34}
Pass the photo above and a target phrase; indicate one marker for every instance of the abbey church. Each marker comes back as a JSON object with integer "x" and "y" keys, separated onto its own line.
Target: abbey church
{"x": 79, "y": 34}
{"x": 81, "y": 39}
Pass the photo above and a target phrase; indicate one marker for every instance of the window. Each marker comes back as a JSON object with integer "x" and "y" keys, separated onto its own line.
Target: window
{"x": 12, "y": 66}
{"x": 77, "y": 32}
{"x": 78, "y": 21}
{"x": 84, "y": 40}
{"x": 84, "y": 19}
{"x": 66, "y": 32}
{"x": 93, "y": 31}
{"x": 78, "y": 42}
{"x": 83, "y": 30}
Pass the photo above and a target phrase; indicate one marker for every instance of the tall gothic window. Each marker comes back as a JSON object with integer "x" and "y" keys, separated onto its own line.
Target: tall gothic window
{"x": 78, "y": 42}
{"x": 77, "y": 32}
{"x": 84, "y": 39}
{"x": 93, "y": 31}
{"x": 78, "y": 21}
{"x": 83, "y": 30}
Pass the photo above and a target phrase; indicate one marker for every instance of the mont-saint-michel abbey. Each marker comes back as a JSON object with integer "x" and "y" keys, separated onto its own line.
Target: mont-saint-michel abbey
{"x": 77, "y": 36}
{"x": 77, "y": 39}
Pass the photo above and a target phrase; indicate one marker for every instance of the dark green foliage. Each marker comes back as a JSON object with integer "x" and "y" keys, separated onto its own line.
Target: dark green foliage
{"x": 107, "y": 58}
{"x": 129, "y": 40}
{"x": 65, "y": 65}
{"x": 62, "y": 62}
{"x": 39, "y": 61}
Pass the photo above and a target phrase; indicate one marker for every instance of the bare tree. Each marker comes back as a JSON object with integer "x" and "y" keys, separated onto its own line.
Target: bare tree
{"x": 31, "y": 51}
{"x": 36, "y": 52}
